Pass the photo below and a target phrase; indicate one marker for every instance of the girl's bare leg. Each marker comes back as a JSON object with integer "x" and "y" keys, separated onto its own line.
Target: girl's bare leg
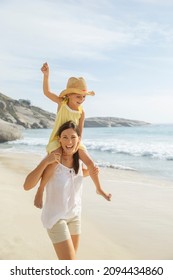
{"x": 90, "y": 165}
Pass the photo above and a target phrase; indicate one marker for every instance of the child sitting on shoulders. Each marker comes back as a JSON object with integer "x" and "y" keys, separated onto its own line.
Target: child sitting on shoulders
{"x": 69, "y": 108}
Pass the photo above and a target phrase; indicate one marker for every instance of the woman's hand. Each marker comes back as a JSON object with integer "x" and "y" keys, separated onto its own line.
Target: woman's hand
{"x": 35, "y": 175}
{"x": 95, "y": 171}
{"x": 38, "y": 201}
{"x": 53, "y": 157}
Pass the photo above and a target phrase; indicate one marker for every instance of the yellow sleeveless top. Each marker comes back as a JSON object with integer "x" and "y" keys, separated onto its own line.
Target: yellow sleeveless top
{"x": 64, "y": 114}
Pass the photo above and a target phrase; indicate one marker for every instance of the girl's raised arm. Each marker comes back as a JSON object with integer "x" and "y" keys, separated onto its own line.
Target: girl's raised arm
{"x": 46, "y": 87}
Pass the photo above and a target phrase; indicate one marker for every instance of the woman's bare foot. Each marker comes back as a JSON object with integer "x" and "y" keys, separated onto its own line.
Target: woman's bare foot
{"x": 105, "y": 195}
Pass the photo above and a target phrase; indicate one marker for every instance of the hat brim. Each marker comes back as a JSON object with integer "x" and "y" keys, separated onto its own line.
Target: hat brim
{"x": 75, "y": 90}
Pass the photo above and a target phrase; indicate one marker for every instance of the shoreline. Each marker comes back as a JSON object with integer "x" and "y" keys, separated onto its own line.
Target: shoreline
{"x": 120, "y": 168}
{"x": 136, "y": 224}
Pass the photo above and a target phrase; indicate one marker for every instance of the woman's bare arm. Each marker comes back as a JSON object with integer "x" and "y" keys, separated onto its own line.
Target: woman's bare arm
{"x": 35, "y": 175}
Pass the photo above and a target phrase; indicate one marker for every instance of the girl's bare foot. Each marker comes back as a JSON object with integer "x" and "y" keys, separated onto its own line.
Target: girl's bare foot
{"x": 105, "y": 195}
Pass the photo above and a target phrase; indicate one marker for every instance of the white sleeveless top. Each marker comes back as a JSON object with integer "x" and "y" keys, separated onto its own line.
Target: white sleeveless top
{"x": 63, "y": 195}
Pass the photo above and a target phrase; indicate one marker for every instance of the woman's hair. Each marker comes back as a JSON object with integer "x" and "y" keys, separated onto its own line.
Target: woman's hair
{"x": 67, "y": 125}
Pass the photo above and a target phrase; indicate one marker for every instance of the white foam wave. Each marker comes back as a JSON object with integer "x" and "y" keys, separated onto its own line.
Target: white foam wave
{"x": 114, "y": 166}
{"x": 132, "y": 148}
{"x": 162, "y": 151}
{"x": 30, "y": 142}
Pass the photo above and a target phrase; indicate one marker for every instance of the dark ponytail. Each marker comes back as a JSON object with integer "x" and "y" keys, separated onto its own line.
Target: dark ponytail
{"x": 76, "y": 162}
{"x": 67, "y": 125}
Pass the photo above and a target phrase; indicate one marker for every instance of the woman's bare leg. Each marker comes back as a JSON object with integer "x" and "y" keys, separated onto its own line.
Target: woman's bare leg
{"x": 65, "y": 250}
{"x": 75, "y": 240}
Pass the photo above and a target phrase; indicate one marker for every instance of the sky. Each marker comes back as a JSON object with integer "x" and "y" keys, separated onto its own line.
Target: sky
{"x": 123, "y": 48}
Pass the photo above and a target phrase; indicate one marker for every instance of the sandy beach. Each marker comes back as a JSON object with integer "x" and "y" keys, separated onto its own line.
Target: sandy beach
{"x": 136, "y": 224}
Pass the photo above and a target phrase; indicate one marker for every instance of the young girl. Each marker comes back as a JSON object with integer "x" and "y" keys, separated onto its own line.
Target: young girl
{"x": 69, "y": 108}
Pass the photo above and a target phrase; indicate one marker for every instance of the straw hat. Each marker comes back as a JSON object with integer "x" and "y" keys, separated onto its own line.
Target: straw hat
{"x": 76, "y": 85}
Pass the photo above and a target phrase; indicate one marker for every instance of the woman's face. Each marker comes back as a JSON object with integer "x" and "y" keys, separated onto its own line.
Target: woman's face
{"x": 69, "y": 140}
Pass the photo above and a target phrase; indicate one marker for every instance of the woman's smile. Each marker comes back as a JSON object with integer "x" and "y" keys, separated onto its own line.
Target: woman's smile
{"x": 69, "y": 140}
{"x": 69, "y": 147}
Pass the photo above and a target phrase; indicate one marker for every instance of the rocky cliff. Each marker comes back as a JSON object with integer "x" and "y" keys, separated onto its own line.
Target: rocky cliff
{"x": 21, "y": 112}
{"x": 111, "y": 122}
{"x": 16, "y": 114}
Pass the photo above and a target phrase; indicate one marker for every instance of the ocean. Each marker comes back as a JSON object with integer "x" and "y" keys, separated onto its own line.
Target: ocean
{"x": 145, "y": 149}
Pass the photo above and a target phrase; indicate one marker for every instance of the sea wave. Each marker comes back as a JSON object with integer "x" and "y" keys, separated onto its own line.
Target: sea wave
{"x": 161, "y": 151}
{"x": 114, "y": 166}
{"x": 154, "y": 150}
{"x": 29, "y": 142}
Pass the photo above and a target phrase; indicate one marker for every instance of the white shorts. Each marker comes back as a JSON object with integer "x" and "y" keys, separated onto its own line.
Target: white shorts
{"x": 64, "y": 228}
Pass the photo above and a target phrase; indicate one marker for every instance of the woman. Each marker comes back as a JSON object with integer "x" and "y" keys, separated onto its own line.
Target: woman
{"x": 61, "y": 213}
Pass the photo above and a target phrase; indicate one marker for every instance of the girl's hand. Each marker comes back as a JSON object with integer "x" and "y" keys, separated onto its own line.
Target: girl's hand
{"x": 92, "y": 93}
{"x": 45, "y": 69}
